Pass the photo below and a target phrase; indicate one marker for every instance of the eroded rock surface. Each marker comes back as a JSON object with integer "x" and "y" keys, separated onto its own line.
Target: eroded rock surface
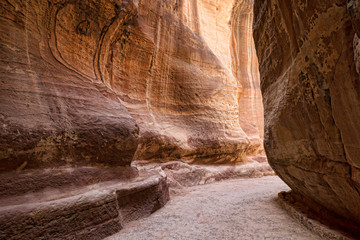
{"x": 77, "y": 211}
{"x": 171, "y": 65}
{"x": 53, "y": 112}
{"x": 311, "y": 93}
{"x": 88, "y": 86}
{"x": 185, "y": 70}
{"x": 180, "y": 175}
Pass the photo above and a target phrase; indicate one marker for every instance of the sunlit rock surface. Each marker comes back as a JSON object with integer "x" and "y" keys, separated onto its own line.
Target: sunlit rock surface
{"x": 185, "y": 70}
{"x": 89, "y": 86}
{"x": 307, "y": 59}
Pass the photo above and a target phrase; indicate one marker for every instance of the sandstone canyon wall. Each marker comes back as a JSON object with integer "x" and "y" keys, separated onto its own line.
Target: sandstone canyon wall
{"x": 53, "y": 112}
{"x": 88, "y": 86}
{"x": 66, "y": 141}
{"x": 174, "y": 70}
{"x": 308, "y": 59}
{"x": 184, "y": 70}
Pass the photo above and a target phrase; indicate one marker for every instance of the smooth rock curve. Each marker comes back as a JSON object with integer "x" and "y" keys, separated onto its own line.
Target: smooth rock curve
{"x": 311, "y": 91}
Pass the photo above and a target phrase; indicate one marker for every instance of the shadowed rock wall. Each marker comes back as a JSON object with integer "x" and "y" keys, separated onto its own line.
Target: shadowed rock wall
{"x": 308, "y": 54}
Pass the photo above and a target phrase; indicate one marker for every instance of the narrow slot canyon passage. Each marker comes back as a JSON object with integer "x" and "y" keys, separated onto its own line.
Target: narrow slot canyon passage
{"x": 232, "y": 209}
{"x": 179, "y": 119}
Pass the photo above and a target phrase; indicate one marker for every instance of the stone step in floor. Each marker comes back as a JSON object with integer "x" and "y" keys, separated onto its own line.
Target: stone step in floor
{"x": 88, "y": 212}
{"x": 181, "y": 175}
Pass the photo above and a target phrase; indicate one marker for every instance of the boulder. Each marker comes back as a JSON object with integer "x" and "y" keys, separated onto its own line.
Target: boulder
{"x": 311, "y": 93}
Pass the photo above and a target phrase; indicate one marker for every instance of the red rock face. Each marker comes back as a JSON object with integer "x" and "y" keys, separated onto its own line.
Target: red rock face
{"x": 311, "y": 92}
{"x": 88, "y": 86}
{"x": 179, "y": 69}
{"x": 186, "y": 71}
{"x": 54, "y": 112}
{"x": 245, "y": 68}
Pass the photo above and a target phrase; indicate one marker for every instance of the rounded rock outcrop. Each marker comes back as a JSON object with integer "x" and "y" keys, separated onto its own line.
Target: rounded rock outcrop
{"x": 311, "y": 92}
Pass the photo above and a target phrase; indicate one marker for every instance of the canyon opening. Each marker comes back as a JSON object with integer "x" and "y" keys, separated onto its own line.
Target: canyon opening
{"x": 179, "y": 119}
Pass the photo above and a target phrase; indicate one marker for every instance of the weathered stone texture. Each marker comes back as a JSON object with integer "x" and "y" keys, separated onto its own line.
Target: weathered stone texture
{"x": 81, "y": 212}
{"x": 354, "y": 11}
{"x": 185, "y": 92}
{"x": 311, "y": 94}
{"x": 185, "y": 70}
{"x": 87, "y": 86}
{"x": 171, "y": 64}
{"x": 53, "y": 112}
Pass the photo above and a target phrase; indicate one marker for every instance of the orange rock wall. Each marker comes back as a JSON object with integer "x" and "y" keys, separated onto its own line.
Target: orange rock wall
{"x": 53, "y": 110}
{"x": 185, "y": 71}
{"x": 194, "y": 76}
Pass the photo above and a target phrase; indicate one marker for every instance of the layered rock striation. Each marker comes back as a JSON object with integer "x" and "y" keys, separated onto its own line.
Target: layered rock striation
{"x": 89, "y": 86}
{"x": 184, "y": 70}
{"x": 308, "y": 60}
{"x": 53, "y": 111}
{"x": 172, "y": 65}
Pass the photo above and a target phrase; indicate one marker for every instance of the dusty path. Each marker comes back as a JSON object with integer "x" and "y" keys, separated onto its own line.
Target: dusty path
{"x": 233, "y": 209}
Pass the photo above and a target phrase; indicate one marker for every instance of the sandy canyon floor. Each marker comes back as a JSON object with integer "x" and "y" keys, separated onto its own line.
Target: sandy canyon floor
{"x": 232, "y": 209}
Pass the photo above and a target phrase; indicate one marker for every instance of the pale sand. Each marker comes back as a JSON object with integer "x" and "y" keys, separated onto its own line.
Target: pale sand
{"x": 232, "y": 209}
